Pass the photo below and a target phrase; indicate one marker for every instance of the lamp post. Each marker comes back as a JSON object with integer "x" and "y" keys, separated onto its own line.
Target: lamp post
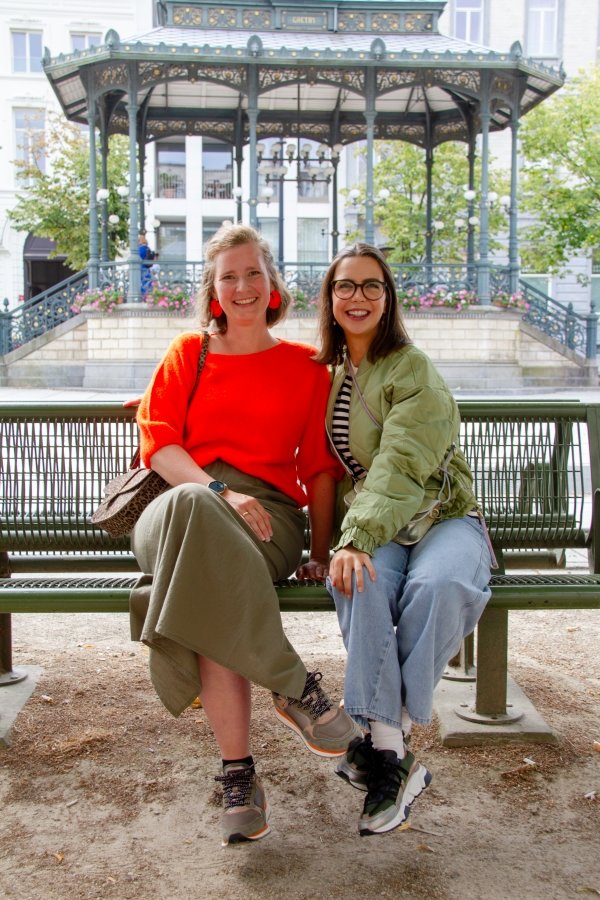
{"x": 106, "y": 219}
{"x": 318, "y": 168}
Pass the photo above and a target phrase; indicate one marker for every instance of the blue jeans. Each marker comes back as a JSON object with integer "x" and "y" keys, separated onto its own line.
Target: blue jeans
{"x": 402, "y": 630}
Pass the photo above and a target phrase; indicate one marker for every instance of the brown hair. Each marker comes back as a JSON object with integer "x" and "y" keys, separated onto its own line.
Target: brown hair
{"x": 227, "y": 237}
{"x": 392, "y": 332}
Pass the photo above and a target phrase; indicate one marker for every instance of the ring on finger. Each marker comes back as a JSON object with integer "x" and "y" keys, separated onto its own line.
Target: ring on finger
{"x": 245, "y": 514}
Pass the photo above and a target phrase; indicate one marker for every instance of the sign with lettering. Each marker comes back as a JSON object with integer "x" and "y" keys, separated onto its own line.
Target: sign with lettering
{"x": 303, "y": 21}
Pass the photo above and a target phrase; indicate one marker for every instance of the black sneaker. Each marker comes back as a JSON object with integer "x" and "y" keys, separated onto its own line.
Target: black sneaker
{"x": 393, "y": 785}
{"x": 245, "y": 806}
{"x": 302, "y": 716}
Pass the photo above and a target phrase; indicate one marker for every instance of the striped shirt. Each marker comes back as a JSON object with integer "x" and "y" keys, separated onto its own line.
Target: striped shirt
{"x": 340, "y": 429}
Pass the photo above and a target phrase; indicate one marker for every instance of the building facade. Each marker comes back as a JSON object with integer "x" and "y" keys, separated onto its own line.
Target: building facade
{"x": 190, "y": 181}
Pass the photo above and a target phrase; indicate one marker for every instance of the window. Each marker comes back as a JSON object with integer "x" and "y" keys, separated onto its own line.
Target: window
{"x": 30, "y": 127}
{"x": 468, "y": 20}
{"x": 210, "y": 227}
{"x": 170, "y": 169}
{"x": 217, "y": 170}
{"x": 269, "y": 228}
{"x": 542, "y": 28}
{"x": 83, "y": 41}
{"x": 313, "y": 240}
{"x": 170, "y": 240}
{"x": 312, "y": 183}
{"x": 27, "y": 51}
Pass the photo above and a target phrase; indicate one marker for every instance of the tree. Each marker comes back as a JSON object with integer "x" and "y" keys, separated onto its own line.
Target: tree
{"x": 55, "y": 204}
{"x": 560, "y": 179}
{"x": 401, "y": 171}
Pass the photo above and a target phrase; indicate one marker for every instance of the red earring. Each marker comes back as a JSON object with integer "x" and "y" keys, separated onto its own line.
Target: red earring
{"x": 216, "y": 308}
{"x": 274, "y": 300}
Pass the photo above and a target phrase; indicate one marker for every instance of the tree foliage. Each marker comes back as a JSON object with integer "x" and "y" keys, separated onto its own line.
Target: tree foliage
{"x": 402, "y": 218}
{"x": 55, "y": 203}
{"x": 560, "y": 178}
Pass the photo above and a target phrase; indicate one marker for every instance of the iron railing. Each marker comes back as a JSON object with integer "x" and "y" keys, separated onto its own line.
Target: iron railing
{"x": 39, "y": 314}
{"x": 570, "y": 329}
{"x": 575, "y": 332}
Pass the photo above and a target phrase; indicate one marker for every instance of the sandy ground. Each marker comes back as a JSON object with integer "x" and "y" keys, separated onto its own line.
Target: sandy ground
{"x": 105, "y": 795}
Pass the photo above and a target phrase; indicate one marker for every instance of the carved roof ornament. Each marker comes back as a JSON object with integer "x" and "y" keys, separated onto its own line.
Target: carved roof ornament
{"x": 344, "y": 54}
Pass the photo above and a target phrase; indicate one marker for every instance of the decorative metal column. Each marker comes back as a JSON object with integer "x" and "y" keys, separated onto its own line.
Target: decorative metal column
{"x": 134, "y": 291}
{"x": 93, "y": 215}
{"x": 252, "y": 113}
{"x": 239, "y": 159}
{"x": 513, "y": 236}
{"x": 428, "y": 212}
{"x": 369, "y": 115}
{"x": 483, "y": 278}
{"x": 470, "y": 214}
{"x": 334, "y": 211}
{"x": 104, "y": 185}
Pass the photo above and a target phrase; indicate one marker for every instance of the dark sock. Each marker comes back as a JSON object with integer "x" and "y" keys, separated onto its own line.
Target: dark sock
{"x": 247, "y": 761}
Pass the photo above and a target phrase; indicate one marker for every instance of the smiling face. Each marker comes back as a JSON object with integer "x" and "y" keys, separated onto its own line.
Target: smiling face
{"x": 241, "y": 284}
{"x": 358, "y": 317}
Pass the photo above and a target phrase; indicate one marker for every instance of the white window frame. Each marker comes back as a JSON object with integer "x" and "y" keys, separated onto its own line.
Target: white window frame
{"x": 28, "y": 33}
{"x": 23, "y": 148}
{"x": 469, "y": 13}
{"x": 543, "y": 33}
{"x": 87, "y": 36}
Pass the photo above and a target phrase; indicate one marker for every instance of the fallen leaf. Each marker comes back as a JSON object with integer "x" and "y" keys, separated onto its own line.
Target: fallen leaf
{"x": 196, "y": 704}
{"x": 425, "y": 848}
{"x": 59, "y": 857}
{"x": 45, "y": 698}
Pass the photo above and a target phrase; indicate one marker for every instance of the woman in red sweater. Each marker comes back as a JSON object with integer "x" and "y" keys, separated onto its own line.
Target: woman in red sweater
{"x": 244, "y": 457}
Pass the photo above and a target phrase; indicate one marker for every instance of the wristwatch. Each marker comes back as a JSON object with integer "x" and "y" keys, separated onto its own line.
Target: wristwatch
{"x": 219, "y": 487}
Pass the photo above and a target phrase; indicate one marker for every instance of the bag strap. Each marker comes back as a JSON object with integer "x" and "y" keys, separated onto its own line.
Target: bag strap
{"x": 350, "y": 369}
{"x": 136, "y": 459}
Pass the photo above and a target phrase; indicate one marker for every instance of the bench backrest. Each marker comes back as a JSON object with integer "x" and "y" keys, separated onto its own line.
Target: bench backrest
{"x": 535, "y": 466}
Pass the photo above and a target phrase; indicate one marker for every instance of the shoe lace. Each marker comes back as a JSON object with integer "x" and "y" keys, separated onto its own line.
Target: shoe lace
{"x": 237, "y": 786}
{"x": 314, "y": 700}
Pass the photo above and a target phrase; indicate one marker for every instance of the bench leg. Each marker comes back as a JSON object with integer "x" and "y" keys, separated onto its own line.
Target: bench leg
{"x": 492, "y": 662}
{"x": 462, "y": 666}
{"x": 7, "y": 674}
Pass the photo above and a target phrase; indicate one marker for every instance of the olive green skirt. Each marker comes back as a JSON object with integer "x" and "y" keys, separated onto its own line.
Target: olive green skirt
{"x": 211, "y": 588}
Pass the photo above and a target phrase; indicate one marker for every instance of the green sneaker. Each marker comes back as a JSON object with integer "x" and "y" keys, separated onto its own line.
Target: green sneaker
{"x": 393, "y": 786}
{"x": 245, "y": 807}
{"x": 303, "y": 716}
{"x": 354, "y": 767}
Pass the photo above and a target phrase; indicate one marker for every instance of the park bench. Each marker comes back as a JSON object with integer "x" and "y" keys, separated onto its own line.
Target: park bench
{"x": 537, "y": 477}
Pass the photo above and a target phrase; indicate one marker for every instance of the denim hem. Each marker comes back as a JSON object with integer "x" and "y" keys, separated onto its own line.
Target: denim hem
{"x": 363, "y": 716}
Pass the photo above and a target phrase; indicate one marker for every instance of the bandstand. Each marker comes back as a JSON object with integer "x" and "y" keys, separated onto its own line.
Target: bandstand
{"x": 336, "y": 71}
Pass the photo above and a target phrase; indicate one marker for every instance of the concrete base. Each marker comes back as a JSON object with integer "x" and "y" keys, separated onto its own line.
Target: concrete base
{"x": 458, "y": 732}
{"x": 13, "y": 698}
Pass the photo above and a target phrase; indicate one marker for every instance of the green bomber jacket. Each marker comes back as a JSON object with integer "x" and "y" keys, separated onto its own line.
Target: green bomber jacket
{"x": 420, "y": 419}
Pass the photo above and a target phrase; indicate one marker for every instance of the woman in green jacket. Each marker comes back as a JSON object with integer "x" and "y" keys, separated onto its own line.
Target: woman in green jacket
{"x": 411, "y": 566}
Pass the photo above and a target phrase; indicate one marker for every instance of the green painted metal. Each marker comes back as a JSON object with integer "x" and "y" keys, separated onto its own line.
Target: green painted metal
{"x": 536, "y": 466}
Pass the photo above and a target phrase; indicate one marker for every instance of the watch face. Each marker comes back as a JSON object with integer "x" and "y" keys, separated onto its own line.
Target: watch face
{"x": 217, "y": 486}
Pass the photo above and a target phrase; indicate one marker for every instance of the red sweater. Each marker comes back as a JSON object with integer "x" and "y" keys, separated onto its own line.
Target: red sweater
{"x": 263, "y": 413}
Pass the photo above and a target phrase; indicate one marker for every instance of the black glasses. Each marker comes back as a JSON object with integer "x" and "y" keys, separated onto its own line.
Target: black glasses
{"x": 345, "y": 289}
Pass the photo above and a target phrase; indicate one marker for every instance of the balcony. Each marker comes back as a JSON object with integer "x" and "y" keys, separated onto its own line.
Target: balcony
{"x": 217, "y": 184}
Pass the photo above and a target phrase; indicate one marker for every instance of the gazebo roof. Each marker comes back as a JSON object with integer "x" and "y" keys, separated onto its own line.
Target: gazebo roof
{"x": 313, "y": 68}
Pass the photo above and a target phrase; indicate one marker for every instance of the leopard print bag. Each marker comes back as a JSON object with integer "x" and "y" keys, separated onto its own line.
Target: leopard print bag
{"x": 127, "y": 495}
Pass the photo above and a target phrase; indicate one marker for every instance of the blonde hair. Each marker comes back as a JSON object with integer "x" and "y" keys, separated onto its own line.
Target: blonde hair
{"x": 227, "y": 237}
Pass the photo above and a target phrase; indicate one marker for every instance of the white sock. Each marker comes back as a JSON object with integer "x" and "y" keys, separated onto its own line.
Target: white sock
{"x": 406, "y": 722}
{"x": 386, "y": 737}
